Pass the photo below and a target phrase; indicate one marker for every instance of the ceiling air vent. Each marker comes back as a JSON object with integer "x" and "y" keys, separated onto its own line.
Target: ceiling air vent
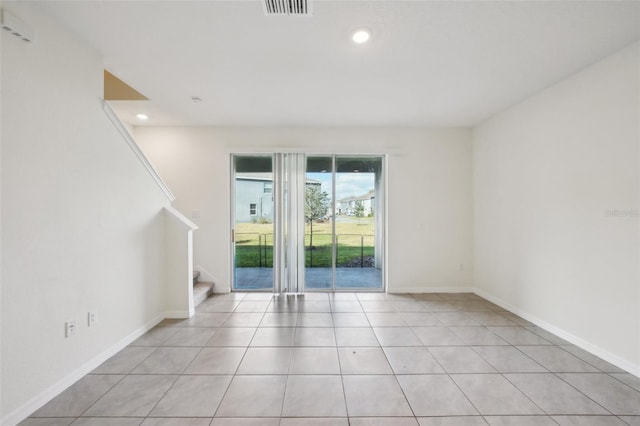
{"x": 287, "y": 7}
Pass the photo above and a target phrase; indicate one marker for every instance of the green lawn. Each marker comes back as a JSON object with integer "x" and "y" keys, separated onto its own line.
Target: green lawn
{"x": 254, "y": 243}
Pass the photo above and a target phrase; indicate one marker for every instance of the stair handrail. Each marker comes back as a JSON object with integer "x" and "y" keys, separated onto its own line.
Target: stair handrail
{"x": 128, "y": 137}
{"x": 180, "y": 218}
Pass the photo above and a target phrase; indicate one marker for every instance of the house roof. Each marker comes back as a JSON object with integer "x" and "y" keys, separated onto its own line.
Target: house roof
{"x": 368, "y": 196}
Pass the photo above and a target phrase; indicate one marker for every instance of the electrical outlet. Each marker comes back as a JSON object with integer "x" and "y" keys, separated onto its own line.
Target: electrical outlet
{"x": 70, "y": 328}
{"x": 92, "y": 318}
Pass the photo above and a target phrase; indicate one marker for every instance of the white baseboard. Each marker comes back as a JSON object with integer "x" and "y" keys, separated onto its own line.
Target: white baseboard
{"x": 54, "y": 390}
{"x": 611, "y": 358}
{"x": 179, "y": 314}
{"x": 430, "y": 290}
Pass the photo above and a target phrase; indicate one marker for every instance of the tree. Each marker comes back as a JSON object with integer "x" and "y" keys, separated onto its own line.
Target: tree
{"x": 316, "y": 204}
{"x": 358, "y": 209}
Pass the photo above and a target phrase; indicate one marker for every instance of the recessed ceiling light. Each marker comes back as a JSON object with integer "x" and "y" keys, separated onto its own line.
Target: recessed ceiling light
{"x": 142, "y": 116}
{"x": 361, "y": 36}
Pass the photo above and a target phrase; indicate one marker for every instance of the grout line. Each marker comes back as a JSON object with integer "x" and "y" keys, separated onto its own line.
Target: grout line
{"x": 297, "y": 328}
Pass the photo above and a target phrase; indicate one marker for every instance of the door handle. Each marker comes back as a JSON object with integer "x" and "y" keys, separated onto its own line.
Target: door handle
{"x": 233, "y": 236}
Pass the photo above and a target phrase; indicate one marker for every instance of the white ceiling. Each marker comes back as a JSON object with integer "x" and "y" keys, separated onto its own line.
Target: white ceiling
{"x": 429, "y": 63}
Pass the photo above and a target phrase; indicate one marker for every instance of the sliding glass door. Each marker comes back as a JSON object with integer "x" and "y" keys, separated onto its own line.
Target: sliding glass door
{"x": 319, "y": 223}
{"x": 344, "y": 217}
{"x": 253, "y": 229}
{"x": 308, "y": 223}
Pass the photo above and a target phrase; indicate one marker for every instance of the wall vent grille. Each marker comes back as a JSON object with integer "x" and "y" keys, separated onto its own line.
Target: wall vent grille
{"x": 15, "y": 26}
{"x": 287, "y": 7}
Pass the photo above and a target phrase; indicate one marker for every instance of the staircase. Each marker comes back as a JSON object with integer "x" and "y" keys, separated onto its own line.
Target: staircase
{"x": 201, "y": 290}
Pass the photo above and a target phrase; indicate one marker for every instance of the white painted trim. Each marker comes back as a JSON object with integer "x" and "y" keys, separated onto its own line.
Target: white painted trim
{"x": 385, "y": 220}
{"x": 54, "y": 390}
{"x": 345, "y": 150}
{"x": 180, "y": 218}
{"x": 179, "y": 314}
{"x": 612, "y": 358}
{"x": 128, "y": 137}
{"x": 423, "y": 289}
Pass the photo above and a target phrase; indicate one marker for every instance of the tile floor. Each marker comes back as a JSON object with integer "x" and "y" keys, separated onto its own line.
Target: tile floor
{"x": 348, "y": 359}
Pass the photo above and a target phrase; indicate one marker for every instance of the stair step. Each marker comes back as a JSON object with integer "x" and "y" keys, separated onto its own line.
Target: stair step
{"x": 196, "y": 275}
{"x": 202, "y": 290}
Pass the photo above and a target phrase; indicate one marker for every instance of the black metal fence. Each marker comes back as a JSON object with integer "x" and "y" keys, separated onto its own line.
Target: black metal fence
{"x": 255, "y": 249}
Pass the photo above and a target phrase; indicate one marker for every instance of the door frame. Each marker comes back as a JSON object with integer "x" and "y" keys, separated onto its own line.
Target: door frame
{"x": 280, "y": 271}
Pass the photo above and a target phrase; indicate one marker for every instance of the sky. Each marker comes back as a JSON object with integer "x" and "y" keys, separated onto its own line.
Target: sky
{"x": 347, "y": 184}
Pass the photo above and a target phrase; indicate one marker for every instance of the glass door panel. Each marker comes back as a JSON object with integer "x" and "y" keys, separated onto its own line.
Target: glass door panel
{"x": 358, "y": 223}
{"x": 308, "y": 223}
{"x": 253, "y": 223}
{"x": 318, "y": 212}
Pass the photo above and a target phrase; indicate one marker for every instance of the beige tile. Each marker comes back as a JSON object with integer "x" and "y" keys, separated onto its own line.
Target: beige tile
{"x": 363, "y": 361}
{"x": 216, "y": 361}
{"x": 167, "y": 360}
{"x": 176, "y": 421}
{"x": 435, "y": 395}
{"x": 553, "y": 395}
{"x": 492, "y": 394}
{"x": 314, "y": 361}
{"x": 125, "y": 360}
{"x": 47, "y": 421}
{"x": 208, "y": 319}
{"x": 412, "y": 360}
{"x": 245, "y": 422}
{"x": 75, "y": 400}
{"x": 588, "y": 421}
{"x": 333, "y": 421}
{"x": 396, "y": 336}
{"x": 460, "y": 359}
{"x": 314, "y": 396}
{"x": 370, "y": 396}
{"x": 356, "y": 336}
{"x": 437, "y": 336}
{"x": 557, "y": 360}
{"x": 190, "y": 336}
{"x": 232, "y": 336}
{"x": 383, "y": 421}
{"x": 452, "y": 421}
{"x": 315, "y": 319}
{"x": 110, "y": 421}
{"x": 155, "y": 337}
{"x": 192, "y": 396}
{"x": 265, "y": 361}
{"x": 616, "y": 397}
{"x": 132, "y": 397}
{"x": 351, "y": 319}
{"x": 314, "y": 336}
{"x": 520, "y": 421}
{"x": 276, "y": 336}
{"x": 253, "y": 396}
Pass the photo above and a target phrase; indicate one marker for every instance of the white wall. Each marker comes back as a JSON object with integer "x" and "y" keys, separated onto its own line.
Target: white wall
{"x": 179, "y": 264}
{"x": 82, "y": 220}
{"x": 429, "y": 192}
{"x": 546, "y": 174}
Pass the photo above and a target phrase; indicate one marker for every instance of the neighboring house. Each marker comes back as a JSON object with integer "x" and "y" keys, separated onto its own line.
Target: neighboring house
{"x": 348, "y": 205}
{"x": 254, "y": 196}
